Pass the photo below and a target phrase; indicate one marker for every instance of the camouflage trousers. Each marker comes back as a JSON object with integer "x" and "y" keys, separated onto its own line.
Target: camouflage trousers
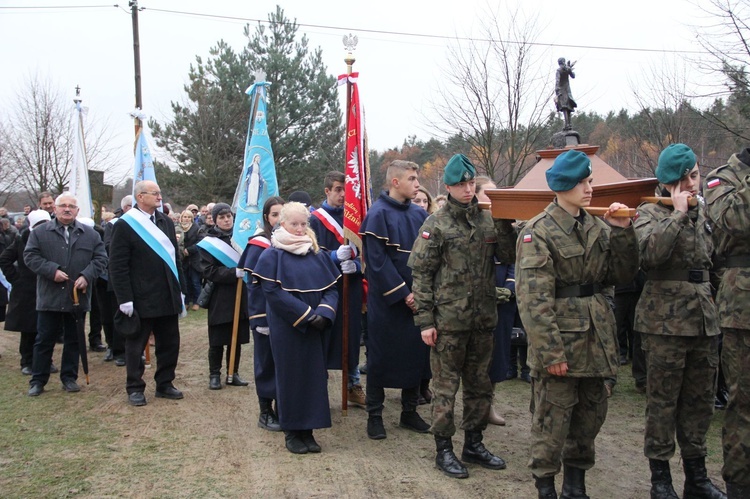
{"x": 568, "y": 414}
{"x": 457, "y": 357}
{"x": 680, "y": 389}
{"x": 735, "y": 360}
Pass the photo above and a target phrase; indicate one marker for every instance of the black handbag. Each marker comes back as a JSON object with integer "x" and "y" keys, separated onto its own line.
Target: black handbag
{"x": 518, "y": 336}
{"x": 205, "y": 295}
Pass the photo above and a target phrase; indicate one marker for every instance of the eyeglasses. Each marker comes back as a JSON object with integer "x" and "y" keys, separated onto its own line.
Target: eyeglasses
{"x": 68, "y": 206}
{"x": 153, "y": 193}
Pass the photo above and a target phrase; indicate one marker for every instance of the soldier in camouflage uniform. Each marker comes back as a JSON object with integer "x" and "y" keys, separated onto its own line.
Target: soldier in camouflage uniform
{"x": 454, "y": 294}
{"x": 679, "y": 326}
{"x": 566, "y": 261}
{"x": 727, "y": 193}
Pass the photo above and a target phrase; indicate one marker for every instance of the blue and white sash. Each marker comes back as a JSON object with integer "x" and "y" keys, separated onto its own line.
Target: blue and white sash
{"x": 220, "y": 250}
{"x": 153, "y": 237}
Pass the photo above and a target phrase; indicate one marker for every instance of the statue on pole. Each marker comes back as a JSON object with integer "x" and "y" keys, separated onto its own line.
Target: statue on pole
{"x": 563, "y": 97}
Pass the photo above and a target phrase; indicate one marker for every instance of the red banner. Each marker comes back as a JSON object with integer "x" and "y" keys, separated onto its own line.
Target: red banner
{"x": 357, "y": 188}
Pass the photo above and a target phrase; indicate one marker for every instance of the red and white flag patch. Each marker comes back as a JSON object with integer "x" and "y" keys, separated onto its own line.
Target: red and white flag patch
{"x": 425, "y": 235}
{"x": 713, "y": 183}
{"x": 527, "y": 238}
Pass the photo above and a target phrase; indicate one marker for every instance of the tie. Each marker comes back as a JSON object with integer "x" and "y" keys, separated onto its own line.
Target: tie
{"x": 67, "y": 234}
{"x": 153, "y": 219}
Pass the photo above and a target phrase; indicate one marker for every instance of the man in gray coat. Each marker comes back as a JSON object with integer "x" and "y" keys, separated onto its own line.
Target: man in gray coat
{"x": 64, "y": 254}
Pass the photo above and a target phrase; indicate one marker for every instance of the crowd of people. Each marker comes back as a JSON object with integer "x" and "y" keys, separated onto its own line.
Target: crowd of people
{"x": 443, "y": 296}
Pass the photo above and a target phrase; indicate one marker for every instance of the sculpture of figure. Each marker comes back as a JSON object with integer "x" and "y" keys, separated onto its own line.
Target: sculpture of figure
{"x": 563, "y": 97}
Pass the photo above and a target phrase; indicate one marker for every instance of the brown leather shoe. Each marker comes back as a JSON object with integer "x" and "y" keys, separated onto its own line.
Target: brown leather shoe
{"x": 496, "y": 418}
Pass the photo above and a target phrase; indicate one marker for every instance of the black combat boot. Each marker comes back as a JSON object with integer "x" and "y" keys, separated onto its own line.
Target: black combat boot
{"x": 268, "y": 419}
{"x": 574, "y": 483}
{"x": 447, "y": 461}
{"x": 476, "y": 453}
{"x": 697, "y": 483}
{"x": 546, "y": 487}
{"x": 214, "y": 382}
{"x": 737, "y": 491}
{"x": 661, "y": 480}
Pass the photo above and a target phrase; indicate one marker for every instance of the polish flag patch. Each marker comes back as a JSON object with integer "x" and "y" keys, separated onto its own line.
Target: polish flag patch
{"x": 425, "y": 235}
{"x": 713, "y": 183}
{"x": 527, "y": 238}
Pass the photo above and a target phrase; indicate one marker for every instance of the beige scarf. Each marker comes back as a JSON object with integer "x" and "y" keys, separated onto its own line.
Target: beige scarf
{"x": 298, "y": 245}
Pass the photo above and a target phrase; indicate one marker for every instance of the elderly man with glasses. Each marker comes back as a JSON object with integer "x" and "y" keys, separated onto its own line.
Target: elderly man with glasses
{"x": 145, "y": 270}
{"x": 64, "y": 254}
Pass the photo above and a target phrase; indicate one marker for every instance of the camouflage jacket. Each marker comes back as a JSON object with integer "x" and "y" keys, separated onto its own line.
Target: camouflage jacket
{"x": 453, "y": 266}
{"x": 674, "y": 240}
{"x": 554, "y": 250}
{"x": 727, "y": 191}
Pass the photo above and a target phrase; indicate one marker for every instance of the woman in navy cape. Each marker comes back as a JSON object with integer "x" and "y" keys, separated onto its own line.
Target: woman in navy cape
{"x": 265, "y": 370}
{"x": 299, "y": 284}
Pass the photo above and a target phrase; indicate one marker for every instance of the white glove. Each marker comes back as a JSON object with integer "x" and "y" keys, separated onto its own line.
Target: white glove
{"x": 127, "y": 308}
{"x": 240, "y": 273}
{"x": 263, "y": 330}
{"x": 348, "y": 267}
{"x": 346, "y": 252}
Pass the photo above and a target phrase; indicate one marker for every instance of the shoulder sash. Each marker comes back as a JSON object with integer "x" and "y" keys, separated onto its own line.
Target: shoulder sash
{"x": 330, "y": 223}
{"x": 220, "y": 250}
{"x": 153, "y": 237}
{"x": 260, "y": 241}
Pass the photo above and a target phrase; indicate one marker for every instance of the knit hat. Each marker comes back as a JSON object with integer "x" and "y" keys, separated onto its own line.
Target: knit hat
{"x": 675, "y": 161}
{"x": 458, "y": 169}
{"x": 219, "y": 208}
{"x": 38, "y": 216}
{"x": 301, "y": 197}
{"x": 568, "y": 169}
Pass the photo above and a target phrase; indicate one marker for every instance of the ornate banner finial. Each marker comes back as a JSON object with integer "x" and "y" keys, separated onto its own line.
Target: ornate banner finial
{"x": 259, "y": 75}
{"x": 77, "y": 98}
{"x": 350, "y": 42}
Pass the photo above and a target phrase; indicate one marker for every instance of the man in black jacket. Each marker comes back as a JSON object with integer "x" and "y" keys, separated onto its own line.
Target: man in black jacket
{"x": 146, "y": 275}
{"x": 63, "y": 253}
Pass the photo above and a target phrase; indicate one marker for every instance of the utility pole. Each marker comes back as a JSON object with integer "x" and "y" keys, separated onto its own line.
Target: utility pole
{"x": 137, "y": 59}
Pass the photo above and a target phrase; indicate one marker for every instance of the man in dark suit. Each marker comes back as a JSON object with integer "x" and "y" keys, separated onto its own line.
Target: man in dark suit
{"x": 146, "y": 276}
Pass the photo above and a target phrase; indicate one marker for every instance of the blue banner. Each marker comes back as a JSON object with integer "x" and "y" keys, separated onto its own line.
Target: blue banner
{"x": 258, "y": 179}
{"x": 143, "y": 168}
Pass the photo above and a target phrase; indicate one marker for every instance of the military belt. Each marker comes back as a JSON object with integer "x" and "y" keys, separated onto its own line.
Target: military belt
{"x": 578, "y": 290}
{"x": 738, "y": 261}
{"x": 694, "y": 276}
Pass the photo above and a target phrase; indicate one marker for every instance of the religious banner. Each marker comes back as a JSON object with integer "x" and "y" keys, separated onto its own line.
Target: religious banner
{"x": 79, "y": 174}
{"x": 143, "y": 167}
{"x": 357, "y": 170}
{"x": 258, "y": 180}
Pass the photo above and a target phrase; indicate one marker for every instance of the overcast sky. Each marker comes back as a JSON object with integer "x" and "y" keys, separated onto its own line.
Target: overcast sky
{"x": 93, "y": 48}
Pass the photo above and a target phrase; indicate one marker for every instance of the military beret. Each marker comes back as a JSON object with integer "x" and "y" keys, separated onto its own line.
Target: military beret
{"x": 568, "y": 169}
{"x": 458, "y": 169}
{"x": 218, "y": 209}
{"x": 675, "y": 161}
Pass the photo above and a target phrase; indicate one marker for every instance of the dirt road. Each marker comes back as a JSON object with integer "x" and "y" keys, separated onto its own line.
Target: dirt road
{"x": 209, "y": 445}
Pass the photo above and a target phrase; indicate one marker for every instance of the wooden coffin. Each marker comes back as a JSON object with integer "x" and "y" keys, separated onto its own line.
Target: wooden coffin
{"x": 523, "y": 204}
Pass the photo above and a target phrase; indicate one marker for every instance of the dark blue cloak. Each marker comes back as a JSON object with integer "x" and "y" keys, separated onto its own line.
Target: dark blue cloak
{"x": 329, "y": 244}
{"x": 296, "y": 288}
{"x": 396, "y": 355}
{"x": 506, "y": 314}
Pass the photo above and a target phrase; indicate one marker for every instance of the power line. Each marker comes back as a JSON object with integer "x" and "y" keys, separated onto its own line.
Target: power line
{"x": 38, "y": 7}
{"x": 426, "y": 35}
{"x": 386, "y": 32}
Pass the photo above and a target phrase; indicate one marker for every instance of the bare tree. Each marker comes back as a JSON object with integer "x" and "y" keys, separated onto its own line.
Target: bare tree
{"x": 494, "y": 94}
{"x": 37, "y": 139}
{"x": 726, "y": 38}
